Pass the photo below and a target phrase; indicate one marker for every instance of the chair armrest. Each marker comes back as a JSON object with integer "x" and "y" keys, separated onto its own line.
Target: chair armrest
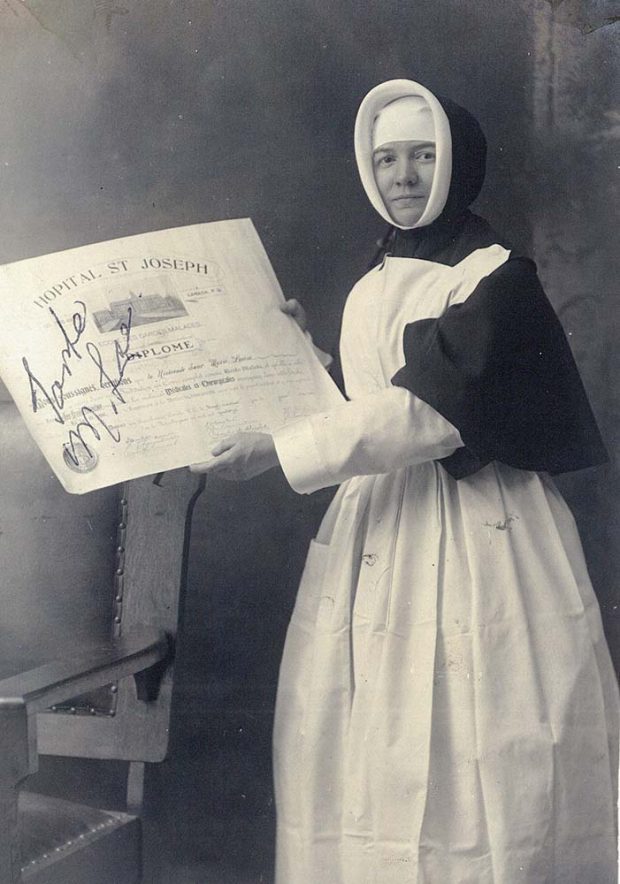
{"x": 86, "y": 669}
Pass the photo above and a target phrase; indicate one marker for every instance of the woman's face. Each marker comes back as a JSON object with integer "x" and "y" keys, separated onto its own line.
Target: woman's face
{"x": 404, "y": 172}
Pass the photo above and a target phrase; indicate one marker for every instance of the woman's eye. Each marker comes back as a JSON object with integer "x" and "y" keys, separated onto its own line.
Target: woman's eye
{"x": 385, "y": 160}
{"x": 426, "y": 156}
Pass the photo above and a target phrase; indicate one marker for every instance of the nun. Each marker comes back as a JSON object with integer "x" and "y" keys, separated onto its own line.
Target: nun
{"x": 447, "y": 710}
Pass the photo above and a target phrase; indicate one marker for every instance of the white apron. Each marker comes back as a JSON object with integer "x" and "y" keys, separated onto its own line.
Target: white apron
{"x": 447, "y": 710}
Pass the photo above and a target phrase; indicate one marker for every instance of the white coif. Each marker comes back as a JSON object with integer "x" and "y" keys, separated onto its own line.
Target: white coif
{"x": 370, "y": 110}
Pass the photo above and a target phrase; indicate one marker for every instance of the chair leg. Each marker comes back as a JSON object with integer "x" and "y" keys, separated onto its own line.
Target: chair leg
{"x": 15, "y": 765}
{"x": 135, "y": 787}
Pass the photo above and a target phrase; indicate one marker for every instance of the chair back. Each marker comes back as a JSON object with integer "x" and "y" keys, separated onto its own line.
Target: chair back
{"x": 79, "y": 568}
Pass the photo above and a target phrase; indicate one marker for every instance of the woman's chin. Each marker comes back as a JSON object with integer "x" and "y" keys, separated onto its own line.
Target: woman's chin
{"x": 406, "y": 217}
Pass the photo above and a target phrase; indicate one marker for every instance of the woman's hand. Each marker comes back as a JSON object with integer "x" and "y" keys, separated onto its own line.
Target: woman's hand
{"x": 240, "y": 457}
{"x": 293, "y": 308}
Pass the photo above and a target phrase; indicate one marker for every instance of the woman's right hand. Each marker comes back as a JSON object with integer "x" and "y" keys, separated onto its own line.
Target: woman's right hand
{"x": 240, "y": 457}
{"x": 293, "y": 308}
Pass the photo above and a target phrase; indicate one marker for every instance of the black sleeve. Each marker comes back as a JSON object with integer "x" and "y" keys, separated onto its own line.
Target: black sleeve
{"x": 500, "y": 369}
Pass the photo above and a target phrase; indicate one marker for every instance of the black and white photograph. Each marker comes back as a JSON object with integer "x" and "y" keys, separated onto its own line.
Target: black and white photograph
{"x": 309, "y": 441}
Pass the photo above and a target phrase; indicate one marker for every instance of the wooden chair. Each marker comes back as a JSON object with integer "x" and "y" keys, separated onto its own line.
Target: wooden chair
{"x": 86, "y": 648}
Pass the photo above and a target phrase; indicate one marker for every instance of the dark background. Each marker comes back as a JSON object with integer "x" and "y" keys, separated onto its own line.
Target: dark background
{"x": 118, "y": 118}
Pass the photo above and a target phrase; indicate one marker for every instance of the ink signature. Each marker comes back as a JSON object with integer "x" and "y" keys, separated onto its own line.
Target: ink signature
{"x": 73, "y": 350}
{"x": 55, "y": 395}
{"x": 122, "y": 356}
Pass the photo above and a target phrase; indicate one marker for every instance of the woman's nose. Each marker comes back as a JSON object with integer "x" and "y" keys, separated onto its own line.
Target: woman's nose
{"x": 407, "y": 172}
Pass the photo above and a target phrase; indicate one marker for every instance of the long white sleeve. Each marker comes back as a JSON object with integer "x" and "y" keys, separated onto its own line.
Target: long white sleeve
{"x": 373, "y": 434}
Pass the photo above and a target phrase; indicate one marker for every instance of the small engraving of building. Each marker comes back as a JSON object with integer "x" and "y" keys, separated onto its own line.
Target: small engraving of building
{"x": 142, "y": 309}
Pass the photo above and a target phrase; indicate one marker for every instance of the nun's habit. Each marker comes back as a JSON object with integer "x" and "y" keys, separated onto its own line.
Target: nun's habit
{"x": 447, "y": 710}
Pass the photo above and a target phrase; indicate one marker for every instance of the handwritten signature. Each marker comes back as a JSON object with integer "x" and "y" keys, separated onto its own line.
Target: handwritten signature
{"x": 74, "y": 349}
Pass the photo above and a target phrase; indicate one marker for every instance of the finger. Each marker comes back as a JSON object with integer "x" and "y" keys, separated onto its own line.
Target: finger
{"x": 213, "y": 465}
{"x": 224, "y": 445}
{"x": 224, "y": 467}
{"x": 202, "y": 467}
{"x": 296, "y": 312}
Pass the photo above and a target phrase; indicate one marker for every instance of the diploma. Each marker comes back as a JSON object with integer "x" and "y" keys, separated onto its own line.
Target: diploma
{"x": 137, "y": 355}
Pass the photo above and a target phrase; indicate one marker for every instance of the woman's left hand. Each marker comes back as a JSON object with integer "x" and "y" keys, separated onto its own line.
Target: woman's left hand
{"x": 240, "y": 457}
{"x": 293, "y": 308}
